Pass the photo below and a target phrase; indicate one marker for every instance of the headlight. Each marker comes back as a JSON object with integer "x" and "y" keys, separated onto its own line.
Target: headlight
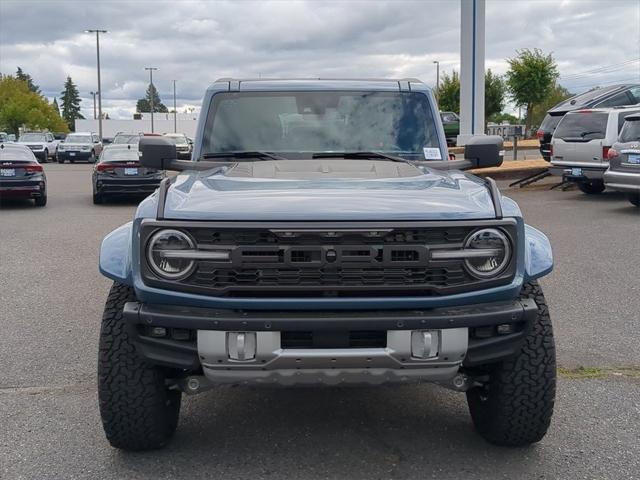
{"x": 164, "y": 256}
{"x": 496, "y": 252}
{"x": 86, "y": 147}
{"x": 61, "y": 148}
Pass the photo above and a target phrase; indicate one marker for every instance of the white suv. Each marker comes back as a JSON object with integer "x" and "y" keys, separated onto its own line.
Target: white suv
{"x": 42, "y": 144}
{"x": 581, "y": 142}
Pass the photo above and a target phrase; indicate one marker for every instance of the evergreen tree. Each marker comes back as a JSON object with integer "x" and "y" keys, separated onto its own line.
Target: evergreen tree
{"x": 70, "y": 99}
{"x": 25, "y": 77}
{"x": 144, "y": 104}
{"x": 55, "y": 105}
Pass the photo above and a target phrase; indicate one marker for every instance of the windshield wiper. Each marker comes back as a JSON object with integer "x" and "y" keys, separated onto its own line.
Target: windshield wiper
{"x": 243, "y": 155}
{"x": 360, "y": 155}
{"x": 584, "y": 134}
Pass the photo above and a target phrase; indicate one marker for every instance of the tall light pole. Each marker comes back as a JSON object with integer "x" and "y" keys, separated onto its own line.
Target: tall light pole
{"x": 437, "y": 77}
{"x": 175, "y": 119}
{"x": 94, "y": 103}
{"x": 151, "y": 69}
{"x": 99, "y": 92}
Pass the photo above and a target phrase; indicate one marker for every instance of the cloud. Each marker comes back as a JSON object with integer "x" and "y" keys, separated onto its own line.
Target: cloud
{"x": 196, "y": 42}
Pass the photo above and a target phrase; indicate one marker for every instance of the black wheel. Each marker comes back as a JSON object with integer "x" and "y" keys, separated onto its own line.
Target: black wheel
{"x": 138, "y": 411}
{"x": 60, "y": 160}
{"x": 634, "y": 198}
{"x": 592, "y": 187}
{"x": 515, "y": 407}
{"x": 97, "y": 198}
{"x": 41, "y": 201}
{"x": 45, "y": 159}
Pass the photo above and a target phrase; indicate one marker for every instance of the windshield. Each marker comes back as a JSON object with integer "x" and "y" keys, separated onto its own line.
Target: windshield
{"x": 550, "y": 123}
{"x": 78, "y": 139}
{"x": 291, "y": 123}
{"x": 126, "y": 138}
{"x": 33, "y": 137}
{"x": 119, "y": 155}
{"x": 22, "y": 154}
{"x": 630, "y": 131}
{"x": 582, "y": 126}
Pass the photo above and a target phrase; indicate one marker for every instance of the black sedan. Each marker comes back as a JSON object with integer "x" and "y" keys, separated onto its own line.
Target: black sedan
{"x": 119, "y": 172}
{"x": 21, "y": 176}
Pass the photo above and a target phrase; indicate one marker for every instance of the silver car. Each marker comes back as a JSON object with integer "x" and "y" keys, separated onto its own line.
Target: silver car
{"x": 581, "y": 143}
{"x": 624, "y": 161}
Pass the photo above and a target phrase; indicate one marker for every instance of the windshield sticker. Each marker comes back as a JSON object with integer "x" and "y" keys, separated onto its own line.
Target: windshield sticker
{"x": 431, "y": 153}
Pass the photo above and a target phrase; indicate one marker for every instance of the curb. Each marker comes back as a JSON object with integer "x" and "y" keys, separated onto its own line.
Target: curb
{"x": 514, "y": 169}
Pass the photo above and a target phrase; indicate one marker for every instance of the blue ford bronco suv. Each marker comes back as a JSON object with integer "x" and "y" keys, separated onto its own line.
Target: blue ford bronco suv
{"x": 321, "y": 235}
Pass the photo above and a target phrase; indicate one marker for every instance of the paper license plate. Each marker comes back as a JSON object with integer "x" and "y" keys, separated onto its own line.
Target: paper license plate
{"x": 576, "y": 172}
{"x": 7, "y": 172}
{"x": 633, "y": 158}
{"x": 130, "y": 171}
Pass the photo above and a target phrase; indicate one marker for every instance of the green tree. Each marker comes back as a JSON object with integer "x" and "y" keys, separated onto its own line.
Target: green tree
{"x": 25, "y": 77}
{"x": 449, "y": 93}
{"x": 144, "y": 104}
{"x": 21, "y": 107}
{"x": 494, "y": 93}
{"x": 557, "y": 95}
{"x": 505, "y": 117}
{"x": 530, "y": 79}
{"x": 70, "y": 99}
{"x": 55, "y": 105}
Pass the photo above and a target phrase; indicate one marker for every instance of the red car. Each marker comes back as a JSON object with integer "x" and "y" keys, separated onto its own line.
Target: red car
{"x": 21, "y": 176}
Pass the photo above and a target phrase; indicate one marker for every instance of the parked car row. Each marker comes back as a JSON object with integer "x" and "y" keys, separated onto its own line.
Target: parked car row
{"x": 599, "y": 148}
{"x": 606, "y": 97}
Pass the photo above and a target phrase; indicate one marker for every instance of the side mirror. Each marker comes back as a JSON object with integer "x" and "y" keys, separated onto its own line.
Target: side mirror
{"x": 157, "y": 152}
{"x": 484, "y": 151}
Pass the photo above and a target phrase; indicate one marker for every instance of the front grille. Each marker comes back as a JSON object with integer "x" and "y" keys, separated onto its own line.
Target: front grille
{"x": 327, "y": 262}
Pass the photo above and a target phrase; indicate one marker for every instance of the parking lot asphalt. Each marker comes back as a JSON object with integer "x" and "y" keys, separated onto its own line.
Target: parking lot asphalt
{"x": 51, "y": 303}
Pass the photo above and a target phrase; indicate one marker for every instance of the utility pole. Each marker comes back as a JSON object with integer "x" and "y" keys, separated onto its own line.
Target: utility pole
{"x": 94, "y": 104}
{"x": 99, "y": 92}
{"x": 437, "y": 77}
{"x": 175, "y": 112}
{"x": 151, "y": 107}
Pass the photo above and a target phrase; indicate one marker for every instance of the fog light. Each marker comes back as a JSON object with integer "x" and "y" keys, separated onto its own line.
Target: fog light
{"x": 241, "y": 345}
{"x": 424, "y": 343}
{"x": 158, "y": 332}
{"x": 505, "y": 329}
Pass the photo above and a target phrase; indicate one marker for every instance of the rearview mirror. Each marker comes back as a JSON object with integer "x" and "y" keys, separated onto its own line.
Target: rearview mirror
{"x": 157, "y": 152}
{"x": 484, "y": 151}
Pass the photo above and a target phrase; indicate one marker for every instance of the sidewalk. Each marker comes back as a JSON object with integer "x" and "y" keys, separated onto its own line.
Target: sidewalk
{"x": 511, "y": 169}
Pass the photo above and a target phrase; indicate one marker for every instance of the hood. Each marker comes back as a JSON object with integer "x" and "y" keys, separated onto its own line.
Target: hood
{"x": 325, "y": 190}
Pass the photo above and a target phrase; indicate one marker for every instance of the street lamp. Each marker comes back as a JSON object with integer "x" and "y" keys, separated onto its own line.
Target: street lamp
{"x": 151, "y": 69}
{"x": 93, "y": 94}
{"x": 437, "y": 77}
{"x": 99, "y": 92}
{"x": 175, "y": 121}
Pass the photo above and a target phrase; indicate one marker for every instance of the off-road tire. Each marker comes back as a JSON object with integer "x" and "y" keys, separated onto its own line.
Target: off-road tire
{"x": 592, "y": 187}
{"x": 138, "y": 411}
{"x": 634, "y": 198}
{"x": 515, "y": 407}
{"x": 41, "y": 201}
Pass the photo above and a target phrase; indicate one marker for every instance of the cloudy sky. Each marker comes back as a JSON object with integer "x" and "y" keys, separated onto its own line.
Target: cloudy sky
{"x": 195, "y": 42}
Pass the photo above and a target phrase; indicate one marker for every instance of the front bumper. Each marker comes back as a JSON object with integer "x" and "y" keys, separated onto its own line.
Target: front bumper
{"x": 74, "y": 155}
{"x": 622, "y": 181}
{"x": 468, "y": 338}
